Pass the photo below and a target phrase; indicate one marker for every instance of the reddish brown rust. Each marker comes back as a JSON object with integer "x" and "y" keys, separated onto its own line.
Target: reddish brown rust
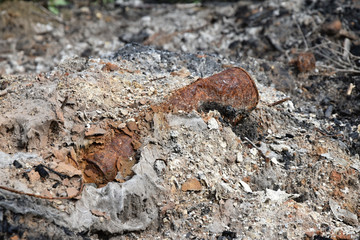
{"x": 232, "y": 92}
{"x": 103, "y": 161}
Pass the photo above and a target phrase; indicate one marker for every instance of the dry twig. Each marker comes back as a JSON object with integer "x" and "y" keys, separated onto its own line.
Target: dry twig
{"x": 45, "y": 197}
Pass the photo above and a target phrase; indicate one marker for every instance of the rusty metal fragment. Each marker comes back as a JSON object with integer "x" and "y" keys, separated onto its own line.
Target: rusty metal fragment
{"x": 232, "y": 92}
{"x": 109, "y": 155}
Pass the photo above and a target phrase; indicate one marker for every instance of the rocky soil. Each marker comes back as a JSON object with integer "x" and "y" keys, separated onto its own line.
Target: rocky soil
{"x": 84, "y": 131}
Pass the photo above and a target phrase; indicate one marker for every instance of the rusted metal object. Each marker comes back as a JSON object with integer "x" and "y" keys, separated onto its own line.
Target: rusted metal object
{"x": 107, "y": 156}
{"x": 232, "y": 92}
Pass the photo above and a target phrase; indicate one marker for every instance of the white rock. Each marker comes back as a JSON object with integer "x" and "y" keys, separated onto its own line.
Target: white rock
{"x": 213, "y": 124}
{"x": 279, "y": 147}
{"x": 254, "y": 151}
{"x": 246, "y": 186}
{"x": 239, "y": 157}
{"x": 279, "y": 196}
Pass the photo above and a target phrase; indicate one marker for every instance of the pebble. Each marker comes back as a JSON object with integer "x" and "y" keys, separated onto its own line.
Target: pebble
{"x": 213, "y": 124}
{"x": 124, "y": 112}
{"x": 239, "y": 157}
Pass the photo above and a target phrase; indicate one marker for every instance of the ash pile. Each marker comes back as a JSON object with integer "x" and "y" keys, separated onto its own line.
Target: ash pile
{"x": 178, "y": 173}
{"x": 131, "y": 141}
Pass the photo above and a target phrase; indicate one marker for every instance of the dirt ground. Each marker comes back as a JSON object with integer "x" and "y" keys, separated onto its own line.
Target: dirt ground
{"x": 107, "y": 125}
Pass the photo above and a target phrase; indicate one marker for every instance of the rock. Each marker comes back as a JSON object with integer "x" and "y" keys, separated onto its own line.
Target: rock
{"x": 110, "y": 67}
{"x": 160, "y": 167}
{"x": 193, "y": 122}
{"x": 343, "y": 214}
{"x": 77, "y": 128}
{"x": 305, "y": 62}
{"x": 34, "y": 176}
{"x": 331, "y": 28}
{"x": 124, "y": 112}
{"x": 60, "y": 154}
{"x": 191, "y": 184}
{"x": 239, "y": 157}
{"x": 67, "y": 169}
{"x": 71, "y": 191}
{"x": 94, "y": 131}
{"x": 245, "y": 186}
{"x": 212, "y": 124}
{"x": 280, "y": 147}
{"x": 279, "y": 196}
{"x": 132, "y": 126}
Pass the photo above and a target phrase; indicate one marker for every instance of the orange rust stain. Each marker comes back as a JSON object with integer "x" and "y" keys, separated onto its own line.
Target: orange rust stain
{"x": 232, "y": 92}
{"x": 108, "y": 155}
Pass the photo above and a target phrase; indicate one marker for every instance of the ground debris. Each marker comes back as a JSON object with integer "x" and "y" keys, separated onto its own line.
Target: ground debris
{"x": 288, "y": 169}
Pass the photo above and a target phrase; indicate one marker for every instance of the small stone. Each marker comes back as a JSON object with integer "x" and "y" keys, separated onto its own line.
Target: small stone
{"x": 17, "y": 164}
{"x": 160, "y": 167}
{"x": 213, "y": 124}
{"x": 148, "y": 117}
{"x": 78, "y": 128}
{"x": 239, "y": 157}
{"x": 191, "y": 184}
{"x": 34, "y": 176}
{"x": 94, "y": 131}
{"x": 109, "y": 67}
{"x": 60, "y": 154}
{"x": 254, "y": 151}
{"x": 71, "y": 191}
{"x": 332, "y": 28}
{"x": 151, "y": 91}
{"x": 245, "y": 186}
{"x": 132, "y": 126}
{"x": 124, "y": 112}
{"x": 67, "y": 169}
{"x": 305, "y": 62}
{"x": 121, "y": 125}
{"x": 66, "y": 182}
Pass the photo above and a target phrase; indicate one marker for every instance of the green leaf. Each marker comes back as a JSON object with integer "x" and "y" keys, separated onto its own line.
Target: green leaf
{"x": 59, "y": 2}
{"x": 54, "y": 10}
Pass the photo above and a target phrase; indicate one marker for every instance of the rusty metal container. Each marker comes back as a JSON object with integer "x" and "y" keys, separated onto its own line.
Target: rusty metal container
{"x": 232, "y": 92}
